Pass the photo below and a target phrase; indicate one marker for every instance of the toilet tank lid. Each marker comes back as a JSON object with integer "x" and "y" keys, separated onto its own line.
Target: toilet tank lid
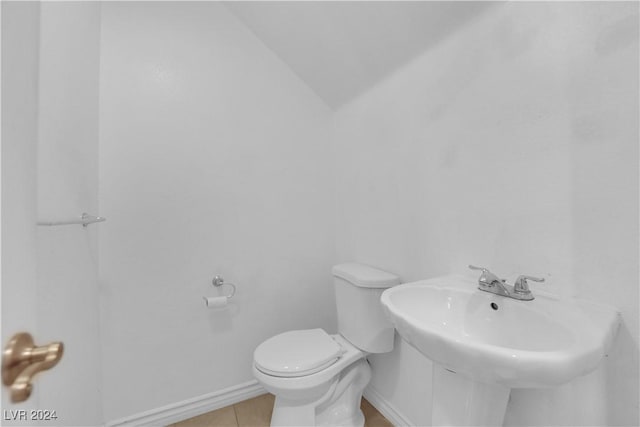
{"x": 365, "y": 276}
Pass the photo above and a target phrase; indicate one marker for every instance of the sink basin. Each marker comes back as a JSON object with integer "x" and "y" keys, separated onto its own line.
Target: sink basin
{"x": 532, "y": 344}
{"x": 493, "y": 340}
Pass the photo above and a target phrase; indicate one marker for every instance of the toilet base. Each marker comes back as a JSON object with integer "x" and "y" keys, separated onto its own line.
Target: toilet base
{"x": 338, "y": 406}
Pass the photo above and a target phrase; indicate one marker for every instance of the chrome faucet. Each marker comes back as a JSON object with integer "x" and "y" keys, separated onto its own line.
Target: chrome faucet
{"x": 489, "y": 282}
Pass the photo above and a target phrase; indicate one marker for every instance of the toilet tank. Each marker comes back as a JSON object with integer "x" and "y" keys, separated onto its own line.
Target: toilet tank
{"x": 360, "y": 317}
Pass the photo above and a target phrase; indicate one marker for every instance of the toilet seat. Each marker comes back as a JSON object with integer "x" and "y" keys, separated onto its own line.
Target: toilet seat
{"x": 297, "y": 353}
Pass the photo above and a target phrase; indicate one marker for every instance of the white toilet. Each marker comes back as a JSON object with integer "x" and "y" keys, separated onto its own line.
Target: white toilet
{"x": 318, "y": 378}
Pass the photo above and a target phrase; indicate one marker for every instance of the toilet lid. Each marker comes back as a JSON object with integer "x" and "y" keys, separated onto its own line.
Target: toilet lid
{"x": 297, "y": 353}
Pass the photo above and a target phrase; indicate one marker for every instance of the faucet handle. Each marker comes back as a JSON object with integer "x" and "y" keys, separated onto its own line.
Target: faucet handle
{"x": 486, "y": 277}
{"x": 522, "y": 287}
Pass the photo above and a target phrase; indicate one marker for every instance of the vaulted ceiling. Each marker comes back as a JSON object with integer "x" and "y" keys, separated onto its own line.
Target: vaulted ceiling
{"x": 342, "y": 48}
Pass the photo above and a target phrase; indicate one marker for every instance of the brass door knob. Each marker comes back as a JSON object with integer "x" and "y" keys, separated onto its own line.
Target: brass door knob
{"x": 22, "y": 360}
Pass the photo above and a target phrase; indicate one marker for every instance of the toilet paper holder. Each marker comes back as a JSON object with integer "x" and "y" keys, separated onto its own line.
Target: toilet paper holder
{"x": 218, "y": 281}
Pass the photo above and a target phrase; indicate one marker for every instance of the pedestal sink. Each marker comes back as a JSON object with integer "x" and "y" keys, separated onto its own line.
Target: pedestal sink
{"x": 482, "y": 345}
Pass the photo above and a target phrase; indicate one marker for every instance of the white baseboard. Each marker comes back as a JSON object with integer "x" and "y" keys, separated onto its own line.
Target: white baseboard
{"x": 189, "y": 408}
{"x": 386, "y": 408}
{"x": 193, "y": 407}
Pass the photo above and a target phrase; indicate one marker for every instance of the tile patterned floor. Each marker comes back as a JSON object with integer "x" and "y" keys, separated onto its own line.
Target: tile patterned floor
{"x": 256, "y": 412}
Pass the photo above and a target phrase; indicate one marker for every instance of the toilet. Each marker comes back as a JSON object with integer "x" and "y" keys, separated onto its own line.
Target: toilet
{"x": 317, "y": 378}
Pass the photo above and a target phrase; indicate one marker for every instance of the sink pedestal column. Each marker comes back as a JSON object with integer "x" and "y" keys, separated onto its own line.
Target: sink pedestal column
{"x": 461, "y": 401}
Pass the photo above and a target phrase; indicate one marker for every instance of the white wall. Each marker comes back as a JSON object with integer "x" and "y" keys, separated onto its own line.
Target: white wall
{"x": 213, "y": 160}
{"x": 514, "y": 145}
{"x": 67, "y": 256}
{"x": 20, "y": 37}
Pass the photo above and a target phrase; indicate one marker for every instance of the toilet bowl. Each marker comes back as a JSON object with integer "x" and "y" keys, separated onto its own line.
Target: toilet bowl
{"x": 326, "y": 396}
{"x": 317, "y": 378}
